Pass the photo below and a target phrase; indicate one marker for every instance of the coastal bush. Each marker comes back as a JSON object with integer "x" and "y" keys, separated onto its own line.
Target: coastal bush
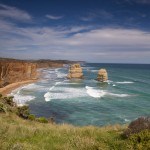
{"x": 140, "y": 141}
{"x": 42, "y": 120}
{"x": 23, "y": 111}
{"x": 2, "y": 108}
{"x": 31, "y": 117}
{"x": 9, "y": 100}
{"x": 138, "y": 125}
{"x": 51, "y": 120}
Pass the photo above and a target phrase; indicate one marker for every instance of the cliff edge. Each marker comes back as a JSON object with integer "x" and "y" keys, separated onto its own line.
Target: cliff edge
{"x": 16, "y": 71}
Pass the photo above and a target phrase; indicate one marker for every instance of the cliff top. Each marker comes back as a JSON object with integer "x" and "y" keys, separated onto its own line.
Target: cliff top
{"x": 40, "y": 61}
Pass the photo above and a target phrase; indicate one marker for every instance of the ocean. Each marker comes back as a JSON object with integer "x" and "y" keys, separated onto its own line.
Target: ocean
{"x": 123, "y": 98}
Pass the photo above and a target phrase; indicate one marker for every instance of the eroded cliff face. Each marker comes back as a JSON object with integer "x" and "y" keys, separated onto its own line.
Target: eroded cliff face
{"x": 11, "y": 72}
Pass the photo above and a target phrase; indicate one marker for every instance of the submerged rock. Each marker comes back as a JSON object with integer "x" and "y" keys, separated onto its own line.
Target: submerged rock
{"x": 102, "y": 75}
{"x": 75, "y": 71}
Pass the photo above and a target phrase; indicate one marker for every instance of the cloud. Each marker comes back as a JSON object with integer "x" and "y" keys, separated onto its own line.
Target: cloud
{"x": 52, "y": 17}
{"x": 83, "y": 43}
{"x": 100, "y": 14}
{"x": 74, "y": 42}
{"x": 14, "y": 13}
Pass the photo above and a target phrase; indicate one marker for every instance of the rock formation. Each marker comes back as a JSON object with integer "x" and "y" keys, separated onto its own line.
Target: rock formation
{"x": 14, "y": 71}
{"x": 102, "y": 75}
{"x": 75, "y": 71}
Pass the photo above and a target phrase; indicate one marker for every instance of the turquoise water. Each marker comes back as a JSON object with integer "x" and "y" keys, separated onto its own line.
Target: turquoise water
{"x": 122, "y": 99}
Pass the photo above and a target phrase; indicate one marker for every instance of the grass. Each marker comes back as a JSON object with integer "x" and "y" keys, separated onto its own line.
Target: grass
{"x": 19, "y": 134}
{"x": 24, "y": 134}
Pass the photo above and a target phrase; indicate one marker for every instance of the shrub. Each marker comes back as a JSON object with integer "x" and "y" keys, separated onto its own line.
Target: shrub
{"x": 31, "y": 117}
{"x": 2, "y": 108}
{"x": 1, "y": 95}
{"x": 9, "y": 100}
{"x": 137, "y": 126}
{"x": 51, "y": 120}
{"x": 140, "y": 140}
{"x": 23, "y": 111}
{"x": 42, "y": 120}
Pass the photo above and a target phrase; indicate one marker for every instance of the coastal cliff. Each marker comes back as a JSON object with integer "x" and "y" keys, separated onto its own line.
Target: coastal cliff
{"x": 13, "y": 70}
{"x": 16, "y": 71}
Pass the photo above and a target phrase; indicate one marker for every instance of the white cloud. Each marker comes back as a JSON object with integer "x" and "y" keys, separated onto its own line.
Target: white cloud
{"x": 14, "y": 13}
{"x": 75, "y": 43}
{"x": 52, "y": 17}
{"x": 102, "y": 14}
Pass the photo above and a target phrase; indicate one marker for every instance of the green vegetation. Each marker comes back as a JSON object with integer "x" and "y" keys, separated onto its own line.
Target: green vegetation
{"x": 29, "y": 133}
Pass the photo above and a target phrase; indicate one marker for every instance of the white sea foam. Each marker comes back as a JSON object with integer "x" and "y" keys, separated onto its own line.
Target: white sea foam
{"x": 64, "y": 93}
{"x": 126, "y": 120}
{"x": 93, "y": 70}
{"x": 118, "y": 95}
{"x": 51, "y": 88}
{"x": 68, "y": 83}
{"x": 57, "y": 83}
{"x": 125, "y": 82}
{"x": 95, "y": 93}
{"x": 114, "y": 85}
{"x": 61, "y": 75}
{"x": 47, "y": 96}
{"x": 34, "y": 87}
{"x": 20, "y": 99}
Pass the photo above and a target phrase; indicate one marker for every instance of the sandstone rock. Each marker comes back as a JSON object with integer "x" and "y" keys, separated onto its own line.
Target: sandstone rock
{"x": 102, "y": 75}
{"x": 11, "y": 72}
{"x": 75, "y": 71}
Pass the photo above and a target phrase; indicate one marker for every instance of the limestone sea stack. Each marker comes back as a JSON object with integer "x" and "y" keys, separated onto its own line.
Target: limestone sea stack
{"x": 102, "y": 75}
{"x": 75, "y": 71}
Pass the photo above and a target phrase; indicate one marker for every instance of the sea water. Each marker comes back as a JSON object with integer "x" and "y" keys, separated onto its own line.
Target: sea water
{"x": 123, "y": 98}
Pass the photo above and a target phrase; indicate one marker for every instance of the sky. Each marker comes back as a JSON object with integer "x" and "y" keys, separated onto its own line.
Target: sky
{"x": 101, "y": 31}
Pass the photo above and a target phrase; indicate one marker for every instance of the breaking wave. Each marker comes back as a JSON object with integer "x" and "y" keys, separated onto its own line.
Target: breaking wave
{"x": 19, "y": 98}
{"x": 125, "y": 82}
{"x": 96, "y": 93}
{"x": 64, "y": 93}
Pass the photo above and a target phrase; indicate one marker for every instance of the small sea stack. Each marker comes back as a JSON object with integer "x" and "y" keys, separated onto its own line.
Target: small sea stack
{"x": 102, "y": 75}
{"x": 75, "y": 71}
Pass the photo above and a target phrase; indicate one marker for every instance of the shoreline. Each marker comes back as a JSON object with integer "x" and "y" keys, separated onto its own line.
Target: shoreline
{"x": 7, "y": 89}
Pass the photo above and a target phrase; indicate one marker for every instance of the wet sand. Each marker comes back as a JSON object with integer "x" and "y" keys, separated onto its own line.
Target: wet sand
{"x": 7, "y": 89}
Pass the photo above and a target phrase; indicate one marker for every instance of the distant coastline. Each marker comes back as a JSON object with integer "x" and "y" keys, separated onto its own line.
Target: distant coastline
{"x": 15, "y": 73}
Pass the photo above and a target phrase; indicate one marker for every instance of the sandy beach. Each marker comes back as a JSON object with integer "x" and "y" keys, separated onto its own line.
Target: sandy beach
{"x": 7, "y": 89}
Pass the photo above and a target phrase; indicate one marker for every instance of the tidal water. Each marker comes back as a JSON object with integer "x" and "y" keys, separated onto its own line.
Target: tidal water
{"x": 123, "y": 98}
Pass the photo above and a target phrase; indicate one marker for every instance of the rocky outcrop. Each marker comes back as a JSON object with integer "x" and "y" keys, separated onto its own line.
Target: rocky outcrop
{"x": 13, "y": 71}
{"x": 75, "y": 71}
{"x": 102, "y": 75}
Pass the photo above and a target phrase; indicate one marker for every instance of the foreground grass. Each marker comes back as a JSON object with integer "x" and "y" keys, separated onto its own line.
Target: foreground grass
{"x": 20, "y": 130}
{"x": 19, "y": 134}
